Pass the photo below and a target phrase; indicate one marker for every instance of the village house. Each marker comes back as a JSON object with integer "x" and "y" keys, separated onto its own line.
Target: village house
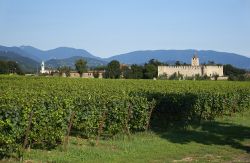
{"x": 88, "y": 74}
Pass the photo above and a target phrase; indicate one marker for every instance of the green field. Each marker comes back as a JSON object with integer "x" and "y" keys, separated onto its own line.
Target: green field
{"x": 123, "y": 120}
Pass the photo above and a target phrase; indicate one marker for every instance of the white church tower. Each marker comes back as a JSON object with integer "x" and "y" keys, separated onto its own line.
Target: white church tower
{"x": 195, "y": 61}
{"x": 42, "y": 68}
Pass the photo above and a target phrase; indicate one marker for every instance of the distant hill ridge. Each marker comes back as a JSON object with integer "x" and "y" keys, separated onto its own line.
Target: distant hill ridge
{"x": 25, "y": 63}
{"x": 67, "y": 55}
{"x": 57, "y": 53}
{"x": 70, "y": 62}
{"x": 183, "y": 56}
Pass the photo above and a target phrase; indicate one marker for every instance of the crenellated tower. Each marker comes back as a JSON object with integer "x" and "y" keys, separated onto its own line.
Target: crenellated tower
{"x": 195, "y": 60}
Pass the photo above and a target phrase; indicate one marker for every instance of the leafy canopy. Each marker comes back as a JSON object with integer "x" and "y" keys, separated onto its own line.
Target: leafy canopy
{"x": 81, "y": 66}
{"x": 113, "y": 70}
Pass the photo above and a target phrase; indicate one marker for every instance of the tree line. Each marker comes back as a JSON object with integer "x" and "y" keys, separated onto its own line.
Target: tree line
{"x": 234, "y": 73}
{"x": 116, "y": 70}
{"x": 148, "y": 70}
{"x": 10, "y": 67}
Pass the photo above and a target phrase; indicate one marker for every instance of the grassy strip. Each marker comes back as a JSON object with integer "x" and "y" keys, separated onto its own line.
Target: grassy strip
{"x": 223, "y": 140}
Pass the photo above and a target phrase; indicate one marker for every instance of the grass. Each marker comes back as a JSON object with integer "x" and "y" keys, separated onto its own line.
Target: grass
{"x": 224, "y": 140}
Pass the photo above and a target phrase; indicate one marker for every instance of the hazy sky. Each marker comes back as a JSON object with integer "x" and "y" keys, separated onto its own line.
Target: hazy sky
{"x": 109, "y": 27}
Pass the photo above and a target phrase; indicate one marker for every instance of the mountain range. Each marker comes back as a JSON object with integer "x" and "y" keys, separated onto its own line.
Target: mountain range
{"x": 183, "y": 56}
{"x": 57, "y": 53}
{"x": 65, "y": 56}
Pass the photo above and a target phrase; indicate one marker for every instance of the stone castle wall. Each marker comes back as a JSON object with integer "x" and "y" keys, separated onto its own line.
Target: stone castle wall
{"x": 190, "y": 70}
{"x": 184, "y": 70}
{"x": 212, "y": 70}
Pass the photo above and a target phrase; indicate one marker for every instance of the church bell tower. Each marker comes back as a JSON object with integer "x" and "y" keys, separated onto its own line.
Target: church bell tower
{"x": 42, "y": 67}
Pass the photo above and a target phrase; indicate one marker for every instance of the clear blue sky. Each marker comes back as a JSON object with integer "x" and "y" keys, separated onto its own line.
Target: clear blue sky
{"x": 109, "y": 27}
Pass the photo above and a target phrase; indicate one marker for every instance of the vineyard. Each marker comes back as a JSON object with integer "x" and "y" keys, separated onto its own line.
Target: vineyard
{"x": 40, "y": 112}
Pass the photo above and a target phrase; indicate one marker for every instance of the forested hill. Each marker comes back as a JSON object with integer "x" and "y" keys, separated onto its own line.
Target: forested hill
{"x": 70, "y": 62}
{"x": 25, "y": 63}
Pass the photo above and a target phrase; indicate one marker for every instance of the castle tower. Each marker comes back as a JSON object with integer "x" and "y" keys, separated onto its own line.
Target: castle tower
{"x": 195, "y": 61}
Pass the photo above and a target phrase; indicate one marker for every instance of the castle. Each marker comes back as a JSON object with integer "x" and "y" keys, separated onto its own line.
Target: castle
{"x": 191, "y": 71}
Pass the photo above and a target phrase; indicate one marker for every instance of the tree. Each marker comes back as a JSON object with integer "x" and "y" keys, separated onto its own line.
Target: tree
{"x": 215, "y": 76}
{"x": 133, "y": 72}
{"x": 65, "y": 70}
{"x": 163, "y": 76}
{"x": 113, "y": 70}
{"x": 14, "y": 67}
{"x": 177, "y": 63}
{"x": 4, "y": 68}
{"x": 150, "y": 71}
{"x": 211, "y": 63}
{"x": 81, "y": 66}
{"x": 136, "y": 71}
{"x": 7, "y": 67}
{"x": 99, "y": 68}
{"x": 174, "y": 76}
{"x": 231, "y": 70}
{"x": 234, "y": 73}
{"x": 96, "y": 74}
{"x": 155, "y": 62}
{"x": 126, "y": 72}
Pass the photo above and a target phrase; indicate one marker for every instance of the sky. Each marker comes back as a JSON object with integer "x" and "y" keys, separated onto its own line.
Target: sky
{"x": 111, "y": 27}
